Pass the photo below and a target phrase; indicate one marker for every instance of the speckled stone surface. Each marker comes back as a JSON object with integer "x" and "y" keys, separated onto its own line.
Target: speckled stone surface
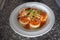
{"x": 6, "y": 33}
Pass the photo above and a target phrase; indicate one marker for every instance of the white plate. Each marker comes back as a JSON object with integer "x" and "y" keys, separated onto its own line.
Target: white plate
{"x": 18, "y": 28}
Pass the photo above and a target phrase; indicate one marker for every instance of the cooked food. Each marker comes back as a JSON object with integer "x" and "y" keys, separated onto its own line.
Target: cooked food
{"x": 24, "y": 20}
{"x": 32, "y": 18}
{"x": 34, "y": 23}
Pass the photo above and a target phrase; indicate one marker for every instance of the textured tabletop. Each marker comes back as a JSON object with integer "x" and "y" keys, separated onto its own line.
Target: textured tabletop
{"x": 6, "y": 33}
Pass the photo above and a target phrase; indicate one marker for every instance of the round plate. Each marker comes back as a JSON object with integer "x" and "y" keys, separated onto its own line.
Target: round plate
{"x": 18, "y": 28}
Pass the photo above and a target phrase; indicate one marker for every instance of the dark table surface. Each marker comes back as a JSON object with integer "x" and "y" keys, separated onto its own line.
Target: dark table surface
{"x": 6, "y": 33}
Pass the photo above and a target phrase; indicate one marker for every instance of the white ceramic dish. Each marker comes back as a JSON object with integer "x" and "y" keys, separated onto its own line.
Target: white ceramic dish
{"x": 17, "y": 27}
